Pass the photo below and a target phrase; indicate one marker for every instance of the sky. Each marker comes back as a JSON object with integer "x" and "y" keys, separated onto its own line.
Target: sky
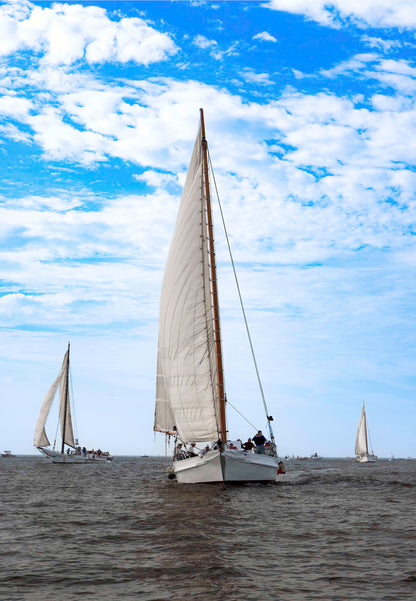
{"x": 311, "y": 123}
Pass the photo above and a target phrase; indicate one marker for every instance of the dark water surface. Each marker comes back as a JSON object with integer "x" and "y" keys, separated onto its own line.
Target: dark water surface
{"x": 331, "y": 530}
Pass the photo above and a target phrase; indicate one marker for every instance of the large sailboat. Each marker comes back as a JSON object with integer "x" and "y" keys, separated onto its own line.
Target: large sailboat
{"x": 74, "y": 453}
{"x": 361, "y": 441}
{"x": 190, "y": 391}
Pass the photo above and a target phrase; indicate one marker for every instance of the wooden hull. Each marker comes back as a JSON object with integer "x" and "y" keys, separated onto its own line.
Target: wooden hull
{"x": 229, "y": 466}
{"x": 56, "y": 457}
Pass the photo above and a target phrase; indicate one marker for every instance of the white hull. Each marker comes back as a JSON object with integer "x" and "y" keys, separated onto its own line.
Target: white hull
{"x": 65, "y": 458}
{"x": 228, "y": 466}
{"x": 8, "y": 454}
{"x": 367, "y": 458}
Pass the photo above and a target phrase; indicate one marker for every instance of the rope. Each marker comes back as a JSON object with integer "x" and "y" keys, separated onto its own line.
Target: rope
{"x": 241, "y": 302}
{"x": 243, "y": 416}
{"x": 369, "y": 440}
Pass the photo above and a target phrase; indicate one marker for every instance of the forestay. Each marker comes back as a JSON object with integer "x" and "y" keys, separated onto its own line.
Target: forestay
{"x": 186, "y": 391}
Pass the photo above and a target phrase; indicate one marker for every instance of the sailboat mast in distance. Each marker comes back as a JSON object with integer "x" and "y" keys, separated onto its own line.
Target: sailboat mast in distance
{"x": 66, "y": 402}
{"x": 214, "y": 288}
{"x": 40, "y": 439}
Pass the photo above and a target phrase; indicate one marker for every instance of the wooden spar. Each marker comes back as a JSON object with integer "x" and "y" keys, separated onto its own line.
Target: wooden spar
{"x": 214, "y": 289}
{"x": 66, "y": 403}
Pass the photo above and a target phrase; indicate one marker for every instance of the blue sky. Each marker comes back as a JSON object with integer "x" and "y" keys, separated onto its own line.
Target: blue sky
{"x": 311, "y": 122}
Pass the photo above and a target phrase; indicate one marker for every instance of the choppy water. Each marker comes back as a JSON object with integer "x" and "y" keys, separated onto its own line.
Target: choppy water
{"x": 332, "y": 530}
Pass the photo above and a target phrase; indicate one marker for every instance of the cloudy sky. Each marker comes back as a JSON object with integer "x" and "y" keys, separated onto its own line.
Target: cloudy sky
{"x": 311, "y": 121}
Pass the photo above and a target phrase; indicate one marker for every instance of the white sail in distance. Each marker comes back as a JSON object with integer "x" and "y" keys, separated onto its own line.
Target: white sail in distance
{"x": 186, "y": 390}
{"x": 361, "y": 445}
{"x": 64, "y": 405}
{"x": 40, "y": 438}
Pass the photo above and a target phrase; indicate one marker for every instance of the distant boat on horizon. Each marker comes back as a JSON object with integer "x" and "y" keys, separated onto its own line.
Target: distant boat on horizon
{"x": 7, "y": 454}
{"x": 361, "y": 441}
{"x": 73, "y": 453}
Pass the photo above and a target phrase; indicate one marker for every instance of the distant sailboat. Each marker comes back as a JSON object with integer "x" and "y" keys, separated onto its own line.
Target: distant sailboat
{"x": 190, "y": 394}
{"x": 361, "y": 441}
{"x": 41, "y": 441}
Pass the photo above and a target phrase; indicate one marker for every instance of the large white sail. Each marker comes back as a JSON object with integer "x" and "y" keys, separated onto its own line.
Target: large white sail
{"x": 186, "y": 392}
{"x": 64, "y": 405}
{"x": 40, "y": 438}
{"x": 361, "y": 438}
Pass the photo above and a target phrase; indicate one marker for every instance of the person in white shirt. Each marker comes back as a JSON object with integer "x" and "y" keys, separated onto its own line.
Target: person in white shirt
{"x": 204, "y": 451}
{"x": 180, "y": 452}
{"x": 192, "y": 450}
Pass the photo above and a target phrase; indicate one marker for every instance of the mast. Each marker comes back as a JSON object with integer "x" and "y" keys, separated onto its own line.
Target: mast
{"x": 365, "y": 429}
{"x": 66, "y": 403}
{"x": 214, "y": 290}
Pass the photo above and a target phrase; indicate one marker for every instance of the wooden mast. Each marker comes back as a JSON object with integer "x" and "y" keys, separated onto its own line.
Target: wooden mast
{"x": 214, "y": 289}
{"x": 66, "y": 403}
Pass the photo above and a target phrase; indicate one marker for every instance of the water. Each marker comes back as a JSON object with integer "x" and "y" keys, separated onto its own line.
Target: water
{"x": 330, "y": 530}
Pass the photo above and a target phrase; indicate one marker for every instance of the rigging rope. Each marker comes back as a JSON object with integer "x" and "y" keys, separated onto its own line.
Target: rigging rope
{"x": 241, "y": 300}
{"x": 243, "y": 416}
{"x": 56, "y": 434}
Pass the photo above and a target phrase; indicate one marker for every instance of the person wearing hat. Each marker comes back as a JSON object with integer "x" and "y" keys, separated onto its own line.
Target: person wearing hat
{"x": 192, "y": 450}
{"x": 180, "y": 452}
{"x": 204, "y": 451}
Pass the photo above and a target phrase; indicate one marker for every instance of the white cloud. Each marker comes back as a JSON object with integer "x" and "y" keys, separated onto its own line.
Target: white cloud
{"x": 374, "y": 13}
{"x": 212, "y": 45}
{"x": 337, "y": 166}
{"x": 385, "y": 45}
{"x": 251, "y": 76}
{"x": 398, "y": 74}
{"x": 264, "y": 36}
{"x": 64, "y": 34}
{"x": 202, "y": 42}
{"x": 12, "y": 105}
{"x": 157, "y": 179}
{"x": 13, "y": 133}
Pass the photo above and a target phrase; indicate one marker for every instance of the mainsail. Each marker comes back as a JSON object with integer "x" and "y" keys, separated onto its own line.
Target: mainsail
{"x": 40, "y": 438}
{"x": 186, "y": 391}
{"x": 361, "y": 445}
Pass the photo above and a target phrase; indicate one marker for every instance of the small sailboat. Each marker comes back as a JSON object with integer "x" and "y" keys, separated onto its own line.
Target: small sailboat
{"x": 74, "y": 453}
{"x": 190, "y": 391}
{"x": 361, "y": 441}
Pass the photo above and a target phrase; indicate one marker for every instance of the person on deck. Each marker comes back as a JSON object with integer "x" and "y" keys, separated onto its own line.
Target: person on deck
{"x": 249, "y": 445}
{"x": 180, "y": 452}
{"x": 259, "y": 441}
{"x": 204, "y": 451}
{"x": 192, "y": 450}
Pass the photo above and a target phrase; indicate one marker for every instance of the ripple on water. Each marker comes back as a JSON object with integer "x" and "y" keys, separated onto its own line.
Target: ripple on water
{"x": 329, "y": 531}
